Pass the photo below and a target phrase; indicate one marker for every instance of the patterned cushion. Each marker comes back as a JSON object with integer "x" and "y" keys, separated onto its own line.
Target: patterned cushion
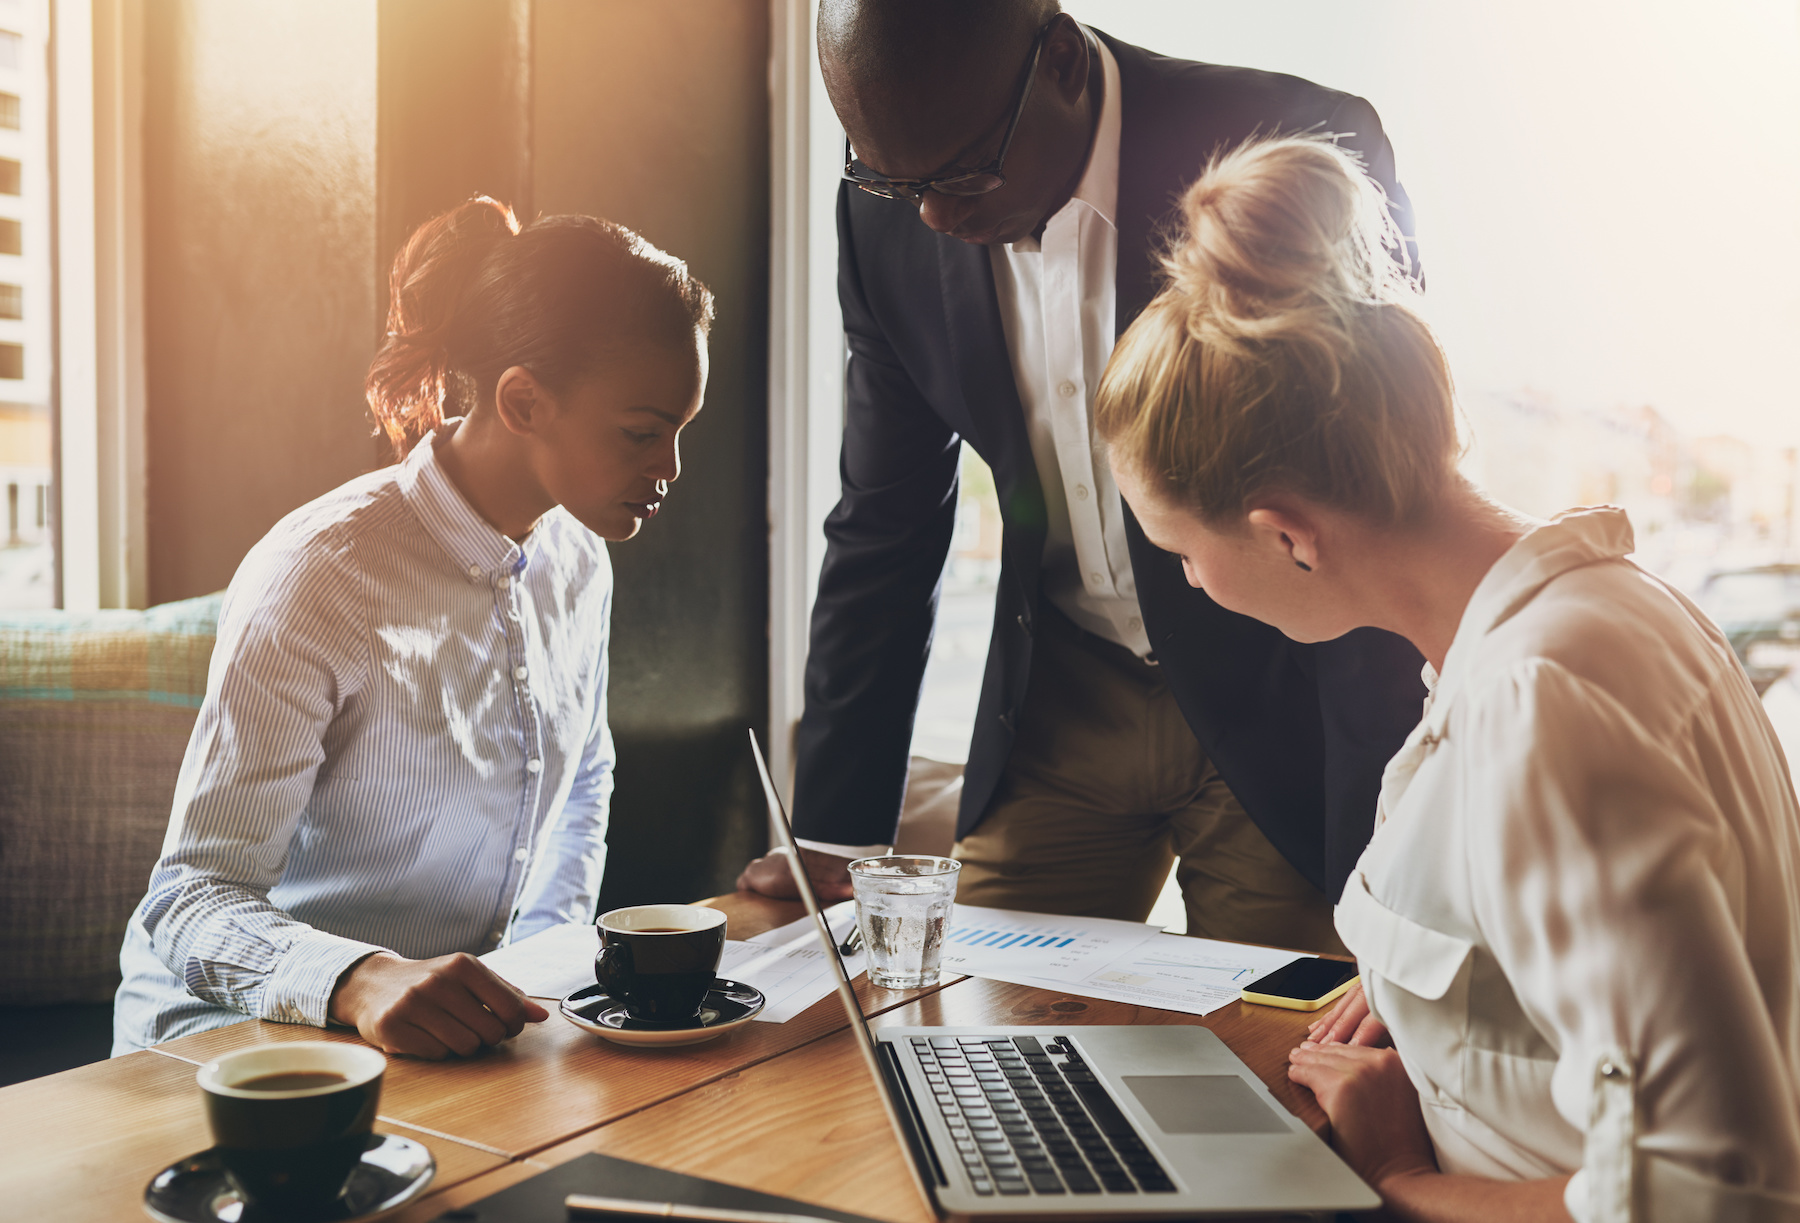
{"x": 95, "y": 713}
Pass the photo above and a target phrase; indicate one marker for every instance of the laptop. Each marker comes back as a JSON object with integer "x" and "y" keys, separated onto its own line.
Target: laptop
{"x": 1157, "y": 1121}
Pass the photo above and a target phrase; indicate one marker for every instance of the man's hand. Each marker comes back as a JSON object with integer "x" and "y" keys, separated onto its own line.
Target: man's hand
{"x": 430, "y": 1008}
{"x": 1350, "y": 1023}
{"x": 1376, "y": 1124}
{"x": 772, "y": 875}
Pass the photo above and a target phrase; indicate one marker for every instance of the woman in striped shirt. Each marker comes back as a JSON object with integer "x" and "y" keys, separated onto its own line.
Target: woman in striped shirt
{"x": 403, "y": 758}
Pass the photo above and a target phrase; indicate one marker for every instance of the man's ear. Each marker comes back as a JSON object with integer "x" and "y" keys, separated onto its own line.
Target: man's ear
{"x": 1066, "y": 51}
{"x": 1289, "y": 530}
{"x": 523, "y": 403}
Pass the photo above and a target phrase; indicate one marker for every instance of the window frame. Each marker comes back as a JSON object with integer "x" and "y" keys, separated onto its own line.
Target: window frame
{"x": 806, "y": 357}
{"x": 97, "y": 343}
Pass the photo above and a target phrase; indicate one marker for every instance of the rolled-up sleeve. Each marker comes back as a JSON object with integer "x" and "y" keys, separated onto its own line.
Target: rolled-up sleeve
{"x": 1603, "y": 875}
{"x": 292, "y": 649}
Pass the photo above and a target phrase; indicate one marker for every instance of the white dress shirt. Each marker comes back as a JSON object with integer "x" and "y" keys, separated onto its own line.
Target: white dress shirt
{"x": 1057, "y": 305}
{"x": 1056, "y": 302}
{"x": 1579, "y": 914}
{"x": 403, "y": 746}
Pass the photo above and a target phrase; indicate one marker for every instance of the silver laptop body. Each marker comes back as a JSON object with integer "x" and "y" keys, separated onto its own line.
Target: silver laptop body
{"x": 1097, "y": 1122}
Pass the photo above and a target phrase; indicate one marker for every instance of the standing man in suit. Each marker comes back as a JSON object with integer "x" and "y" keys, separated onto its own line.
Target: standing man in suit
{"x": 1007, "y": 170}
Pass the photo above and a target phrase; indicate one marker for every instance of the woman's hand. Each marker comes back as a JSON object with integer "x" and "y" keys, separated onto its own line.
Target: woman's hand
{"x": 430, "y": 1008}
{"x": 1349, "y": 1022}
{"x": 1376, "y": 1124}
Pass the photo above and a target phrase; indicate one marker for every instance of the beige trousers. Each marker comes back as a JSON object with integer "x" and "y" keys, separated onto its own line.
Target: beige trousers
{"x": 1105, "y": 788}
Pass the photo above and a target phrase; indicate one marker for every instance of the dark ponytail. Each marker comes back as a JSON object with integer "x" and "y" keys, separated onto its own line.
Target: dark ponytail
{"x": 472, "y": 294}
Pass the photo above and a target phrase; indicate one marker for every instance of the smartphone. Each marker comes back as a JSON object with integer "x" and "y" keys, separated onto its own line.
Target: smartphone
{"x": 1304, "y": 985}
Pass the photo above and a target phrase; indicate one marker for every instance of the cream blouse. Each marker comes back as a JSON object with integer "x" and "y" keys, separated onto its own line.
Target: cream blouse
{"x": 1579, "y": 914}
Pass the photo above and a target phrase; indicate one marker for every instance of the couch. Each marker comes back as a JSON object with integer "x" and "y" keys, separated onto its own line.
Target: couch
{"x": 95, "y": 713}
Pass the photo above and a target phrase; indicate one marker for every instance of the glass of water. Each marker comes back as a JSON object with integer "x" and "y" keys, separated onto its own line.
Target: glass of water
{"x": 903, "y": 905}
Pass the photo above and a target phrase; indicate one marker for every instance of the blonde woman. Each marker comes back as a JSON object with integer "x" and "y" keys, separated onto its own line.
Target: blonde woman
{"x": 1579, "y": 915}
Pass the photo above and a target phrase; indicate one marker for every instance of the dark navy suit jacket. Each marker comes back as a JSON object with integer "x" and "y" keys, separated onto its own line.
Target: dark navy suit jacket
{"x": 1299, "y": 732}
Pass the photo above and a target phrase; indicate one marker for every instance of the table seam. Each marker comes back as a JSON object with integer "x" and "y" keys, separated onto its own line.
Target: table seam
{"x": 174, "y": 1056}
{"x": 508, "y": 1156}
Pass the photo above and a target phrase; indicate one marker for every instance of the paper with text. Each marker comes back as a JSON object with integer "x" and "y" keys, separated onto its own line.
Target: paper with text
{"x": 1004, "y": 943}
{"x": 1172, "y": 973}
{"x": 552, "y": 963}
{"x": 788, "y": 965}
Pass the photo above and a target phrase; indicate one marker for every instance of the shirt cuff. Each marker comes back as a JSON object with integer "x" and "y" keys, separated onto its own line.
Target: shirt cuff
{"x": 852, "y": 852}
{"x": 299, "y": 990}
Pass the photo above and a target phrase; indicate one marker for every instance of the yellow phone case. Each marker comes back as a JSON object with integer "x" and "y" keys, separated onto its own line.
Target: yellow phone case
{"x": 1298, "y": 1004}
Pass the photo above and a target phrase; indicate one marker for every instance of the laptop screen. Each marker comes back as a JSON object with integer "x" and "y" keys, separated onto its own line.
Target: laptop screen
{"x": 784, "y": 832}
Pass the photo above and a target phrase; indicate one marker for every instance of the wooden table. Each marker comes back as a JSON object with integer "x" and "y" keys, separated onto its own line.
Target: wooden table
{"x": 784, "y": 1108}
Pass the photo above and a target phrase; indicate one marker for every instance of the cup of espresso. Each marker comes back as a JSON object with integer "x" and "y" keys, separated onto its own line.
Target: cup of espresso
{"x": 659, "y": 960}
{"x": 289, "y": 1121}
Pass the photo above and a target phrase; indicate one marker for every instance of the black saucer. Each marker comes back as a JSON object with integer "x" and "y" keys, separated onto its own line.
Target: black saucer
{"x": 728, "y": 1004}
{"x": 393, "y": 1171}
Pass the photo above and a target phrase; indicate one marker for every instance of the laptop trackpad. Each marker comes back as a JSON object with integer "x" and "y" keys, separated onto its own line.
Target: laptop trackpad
{"x": 1204, "y": 1104}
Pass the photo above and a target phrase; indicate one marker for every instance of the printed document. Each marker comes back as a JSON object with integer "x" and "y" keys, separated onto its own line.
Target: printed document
{"x": 1170, "y": 972}
{"x": 1005, "y": 943}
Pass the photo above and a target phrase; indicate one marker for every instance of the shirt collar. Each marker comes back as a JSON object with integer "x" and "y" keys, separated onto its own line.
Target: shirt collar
{"x": 1099, "y": 185}
{"x": 1570, "y": 540}
{"x": 479, "y": 550}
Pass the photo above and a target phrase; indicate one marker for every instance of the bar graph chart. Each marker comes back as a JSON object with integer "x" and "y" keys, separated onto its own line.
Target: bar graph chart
{"x": 984, "y": 941}
{"x": 1102, "y": 958}
{"x": 977, "y": 937}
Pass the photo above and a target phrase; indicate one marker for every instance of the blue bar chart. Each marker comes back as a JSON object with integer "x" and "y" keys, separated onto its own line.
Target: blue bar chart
{"x": 976, "y": 937}
{"x": 981, "y": 941}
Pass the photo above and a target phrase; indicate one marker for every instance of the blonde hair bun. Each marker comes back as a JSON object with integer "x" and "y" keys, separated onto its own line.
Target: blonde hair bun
{"x": 1285, "y": 348}
{"x": 1281, "y": 237}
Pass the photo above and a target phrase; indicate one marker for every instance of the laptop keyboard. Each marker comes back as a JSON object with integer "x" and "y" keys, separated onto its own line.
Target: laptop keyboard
{"x": 1029, "y": 1116}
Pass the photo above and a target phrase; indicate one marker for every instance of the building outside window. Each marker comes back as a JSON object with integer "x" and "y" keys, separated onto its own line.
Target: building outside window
{"x": 27, "y": 483}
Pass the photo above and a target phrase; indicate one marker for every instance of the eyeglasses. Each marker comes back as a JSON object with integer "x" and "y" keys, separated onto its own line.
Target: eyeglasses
{"x": 966, "y": 182}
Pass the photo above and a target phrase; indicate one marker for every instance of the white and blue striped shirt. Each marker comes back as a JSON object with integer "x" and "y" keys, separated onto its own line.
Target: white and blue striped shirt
{"x": 403, "y": 747}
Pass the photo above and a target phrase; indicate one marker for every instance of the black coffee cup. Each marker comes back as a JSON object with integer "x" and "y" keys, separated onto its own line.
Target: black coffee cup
{"x": 659, "y": 960}
{"x": 291, "y": 1120}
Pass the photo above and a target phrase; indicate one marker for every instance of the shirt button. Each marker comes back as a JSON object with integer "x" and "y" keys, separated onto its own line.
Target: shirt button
{"x": 474, "y": 571}
{"x": 1081, "y": 492}
{"x": 1094, "y": 580}
{"x": 1067, "y": 389}
{"x": 1136, "y": 625}
{"x": 504, "y": 582}
{"x": 520, "y": 672}
{"x": 519, "y": 855}
{"x": 534, "y": 766}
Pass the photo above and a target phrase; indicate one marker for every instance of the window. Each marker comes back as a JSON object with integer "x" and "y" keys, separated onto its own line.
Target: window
{"x": 1579, "y": 383}
{"x": 33, "y": 516}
